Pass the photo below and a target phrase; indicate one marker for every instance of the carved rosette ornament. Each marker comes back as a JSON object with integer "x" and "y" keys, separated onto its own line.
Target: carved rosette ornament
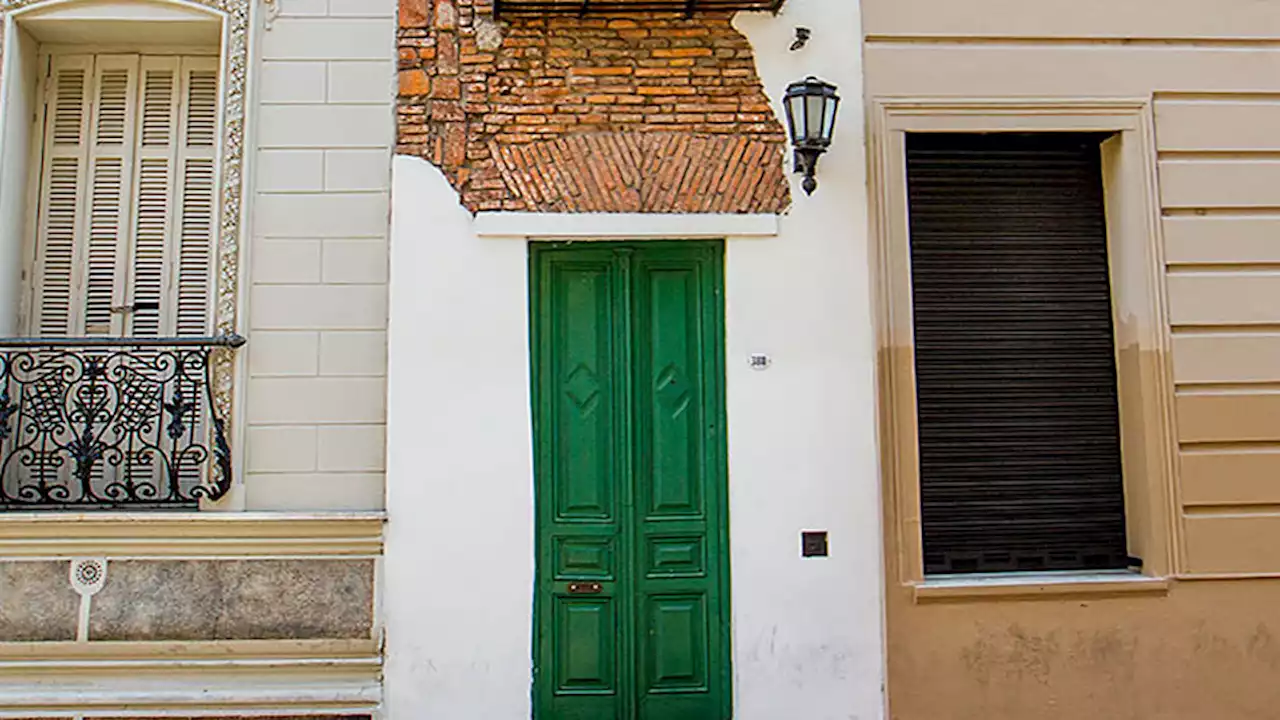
{"x": 236, "y": 15}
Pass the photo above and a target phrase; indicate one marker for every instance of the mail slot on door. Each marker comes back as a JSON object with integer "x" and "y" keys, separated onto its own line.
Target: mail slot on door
{"x": 585, "y": 588}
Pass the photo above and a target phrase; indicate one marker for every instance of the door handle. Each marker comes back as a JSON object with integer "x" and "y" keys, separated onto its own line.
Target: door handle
{"x": 585, "y": 588}
{"x": 121, "y": 309}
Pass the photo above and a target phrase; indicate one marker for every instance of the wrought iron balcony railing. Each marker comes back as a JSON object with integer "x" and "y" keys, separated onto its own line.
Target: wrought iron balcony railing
{"x": 111, "y": 423}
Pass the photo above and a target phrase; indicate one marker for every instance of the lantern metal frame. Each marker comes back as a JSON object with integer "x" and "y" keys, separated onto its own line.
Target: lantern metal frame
{"x": 809, "y": 144}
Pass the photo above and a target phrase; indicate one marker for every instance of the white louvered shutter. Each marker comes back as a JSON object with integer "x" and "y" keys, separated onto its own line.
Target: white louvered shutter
{"x": 62, "y": 187}
{"x": 129, "y": 198}
{"x": 172, "y": 255}
{"x": 85, "y": 198}
{"x": 197, "y": 196}
{"x": 111, "y": 162}
{"x": 152, "y": 253}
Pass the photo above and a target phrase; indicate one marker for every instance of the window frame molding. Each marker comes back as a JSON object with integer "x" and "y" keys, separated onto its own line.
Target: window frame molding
{"x": 1139, "y": 306}
{"x": 234, "y": 60}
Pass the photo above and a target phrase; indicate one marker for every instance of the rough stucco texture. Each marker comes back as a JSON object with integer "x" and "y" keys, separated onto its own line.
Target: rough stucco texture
{"x": 234, "y": 600}
{"x": 647, "y": 113}
{"x": 37, "y": 602}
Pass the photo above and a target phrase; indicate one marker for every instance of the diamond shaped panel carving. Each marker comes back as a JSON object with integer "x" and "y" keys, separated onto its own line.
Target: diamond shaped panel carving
{"x": 583, "y": 388}
{"x": 672, "y": 390}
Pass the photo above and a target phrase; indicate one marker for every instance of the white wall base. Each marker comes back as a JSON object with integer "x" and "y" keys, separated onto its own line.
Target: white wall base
{"x": 459, "y": 584}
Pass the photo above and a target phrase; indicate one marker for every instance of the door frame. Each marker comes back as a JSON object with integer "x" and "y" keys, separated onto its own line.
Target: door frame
{"x": 718, "y": 444}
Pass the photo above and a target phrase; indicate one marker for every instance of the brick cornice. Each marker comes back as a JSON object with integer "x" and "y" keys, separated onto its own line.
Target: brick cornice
{"x": 649, "y": 173}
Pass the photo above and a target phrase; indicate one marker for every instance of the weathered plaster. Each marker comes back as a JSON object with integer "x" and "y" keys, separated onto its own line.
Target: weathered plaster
{"x": 652, "y": 112}
{"x": 37, "y": 602}
{"x": 234, "y": 600}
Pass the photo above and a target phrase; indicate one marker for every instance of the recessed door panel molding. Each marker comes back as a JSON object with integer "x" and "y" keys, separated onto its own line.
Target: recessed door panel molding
{"x": 583, "y": 414}
{"x": 675, "y": 643}
{"x": 585, "y": 631}
{"x": 584, "y": 557}
{"x": 631, "y": 608}
{"x": 667, "y": 323}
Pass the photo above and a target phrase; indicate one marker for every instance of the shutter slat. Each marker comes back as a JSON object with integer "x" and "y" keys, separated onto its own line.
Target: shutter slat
{"x": 69, "y": 105}
{"x": 158, "y": 104}
{"x": 104, "y": 240}
{"x": 57, "y": 253}
{"x": 1017, "y": 414}
{"x": 202, "y": 104}
{"x": 113, "y": 106}
{"x": 154, "y": 188}
{"x": 194, "y": 247}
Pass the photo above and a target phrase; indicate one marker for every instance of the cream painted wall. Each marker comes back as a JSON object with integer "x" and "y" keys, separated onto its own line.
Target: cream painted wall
{"x": 807, "y": 633}
{"x": 1205, "y": 76}
{"x": 314, "y": 401}
{"x": 312, "y": 385}
{"x": 20, "y": 98}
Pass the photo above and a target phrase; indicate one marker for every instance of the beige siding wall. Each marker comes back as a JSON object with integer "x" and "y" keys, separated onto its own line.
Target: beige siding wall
{"x": 1206, "y": 649}
{"x": 317, "y": 314}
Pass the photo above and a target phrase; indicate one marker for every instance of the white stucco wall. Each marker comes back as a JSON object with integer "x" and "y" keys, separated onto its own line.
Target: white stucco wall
{"x": 807, "y": 633}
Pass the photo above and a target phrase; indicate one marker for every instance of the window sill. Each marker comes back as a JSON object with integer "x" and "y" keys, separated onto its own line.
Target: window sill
{"x": 1024, "y": 586}
{"x": 190, "y": 534}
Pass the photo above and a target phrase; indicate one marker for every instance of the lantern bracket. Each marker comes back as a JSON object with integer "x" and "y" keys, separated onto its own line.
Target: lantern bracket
{"x": 806, "y": 163}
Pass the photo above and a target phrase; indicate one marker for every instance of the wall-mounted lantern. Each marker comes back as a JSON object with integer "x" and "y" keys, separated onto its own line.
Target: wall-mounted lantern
{"x": 811, "y": 106}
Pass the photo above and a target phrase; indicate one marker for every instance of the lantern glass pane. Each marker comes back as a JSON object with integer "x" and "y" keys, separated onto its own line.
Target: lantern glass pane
{"x": 798, "y": 117}
{"x": 787, "y": 106}
{"x": 792, "y": 120}
{"x": 813, "y": 119}
{"x": 829, "y": 122}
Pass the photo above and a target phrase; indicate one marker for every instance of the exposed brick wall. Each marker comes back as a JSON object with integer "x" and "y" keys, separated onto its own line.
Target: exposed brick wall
{"x": 656, "y": 113}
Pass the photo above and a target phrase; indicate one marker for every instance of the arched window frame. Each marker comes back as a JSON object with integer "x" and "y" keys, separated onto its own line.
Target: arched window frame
{"x": 235, "y": 16}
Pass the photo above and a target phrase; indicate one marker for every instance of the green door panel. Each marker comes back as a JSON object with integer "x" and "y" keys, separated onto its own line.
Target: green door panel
{"x": 579, "y": 496}
{"x": 678, "y": 480}
{"x": 631, "y": 607}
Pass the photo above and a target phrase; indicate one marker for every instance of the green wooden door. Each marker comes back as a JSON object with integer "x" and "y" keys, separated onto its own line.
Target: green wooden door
{"x": 631, "y": 605}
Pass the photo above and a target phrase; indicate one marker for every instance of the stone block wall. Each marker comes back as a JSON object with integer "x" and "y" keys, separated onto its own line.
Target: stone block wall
{"x": 642, "y": 113}
{"x": 317, "y": 313}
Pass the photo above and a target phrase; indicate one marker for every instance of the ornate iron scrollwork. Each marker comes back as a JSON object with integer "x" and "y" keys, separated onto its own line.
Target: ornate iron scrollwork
{"x": 103, "y": 423}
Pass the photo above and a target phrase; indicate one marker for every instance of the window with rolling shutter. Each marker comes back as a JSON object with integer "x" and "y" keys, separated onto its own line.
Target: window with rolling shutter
{"x": 1017, "y": 411}
{"x": 124, "y": 243}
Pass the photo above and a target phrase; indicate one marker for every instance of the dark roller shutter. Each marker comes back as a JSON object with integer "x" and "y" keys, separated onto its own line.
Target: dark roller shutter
{"x": 1015, "y": 354}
